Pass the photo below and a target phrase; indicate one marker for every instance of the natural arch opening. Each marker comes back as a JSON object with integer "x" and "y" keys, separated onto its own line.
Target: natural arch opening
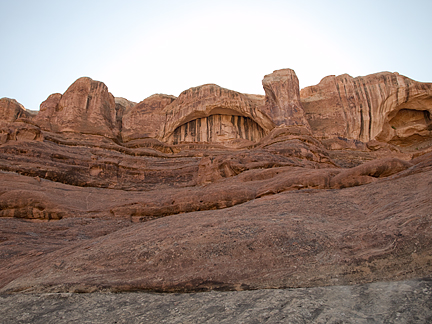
{"x": 217, "y": 128}
{"x": 410, "y": 126}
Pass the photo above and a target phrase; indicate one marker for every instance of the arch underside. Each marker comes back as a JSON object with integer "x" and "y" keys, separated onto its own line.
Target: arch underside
{"x": 410, "y": 126}
{"x": 409, "y": 123}
{"x": 217, "y": 128}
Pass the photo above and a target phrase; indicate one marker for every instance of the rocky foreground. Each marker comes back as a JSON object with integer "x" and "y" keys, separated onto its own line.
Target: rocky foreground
{"x": 382, "y": 302}
{"x": 218, "y": 190}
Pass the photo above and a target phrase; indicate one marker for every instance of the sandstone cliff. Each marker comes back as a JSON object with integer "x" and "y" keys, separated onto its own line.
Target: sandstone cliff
{"x": 11, "y": 110}
{"x": 384, "y": 106}
{"x": 213, "y": 114}
{"x": 145, "y": 119}
{"x": 86, "y": 107}
{"x": 283, "y": 99}
{"x": 330, "y": 185}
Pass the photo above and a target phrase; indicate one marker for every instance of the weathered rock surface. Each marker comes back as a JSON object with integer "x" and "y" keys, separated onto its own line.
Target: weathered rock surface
{"x": 229, "y": 190}
{"x": 282, "y": 103}
{"x": 384, "y": 106}
{"x": 385, "y": 302}
{"x": 86, "y": 107}
{"x": 198, "y": 105}
{"x": 300, "y": 238}
{"x": 11, "y": 110}
{"x": 145, "y": 119}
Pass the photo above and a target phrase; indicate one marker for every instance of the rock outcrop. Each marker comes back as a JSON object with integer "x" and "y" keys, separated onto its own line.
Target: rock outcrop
{"x": 237, "y": 116}
{"x": 320, "y": 187}
{"x": 86, "y": 107}
{"x": 11, "y": 110}
{"x": 145, "y": 119}
{"x": 384, "y": 106}
{"x": 282, "y": 101}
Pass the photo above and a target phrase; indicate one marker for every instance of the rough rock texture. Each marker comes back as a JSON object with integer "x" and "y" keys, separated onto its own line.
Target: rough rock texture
{"x": 210, "y": 99}
{"x": 11, "y": 110}
{"x": 86, "y": 107}
{"x": 300, "y": 238}
{"x": 216, "y": 189}
{"x": 121, "y": 106}
{"x": 145, "y": 119}
{"x": 407, "y": 301}
{"x": 225, "y": 129}
{"x": 282, "y": 103}
{"x": 384, "y": 106}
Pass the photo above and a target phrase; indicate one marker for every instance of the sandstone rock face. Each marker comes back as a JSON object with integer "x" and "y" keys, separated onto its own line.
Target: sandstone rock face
{"x": 145, "y": 119}
{"x": 198, "y": 105}
{"x": 122, "y": 105}
{"x": 11, "y": 110}
{"x": 299, "y": 238}
{"x": 282, "y": 103}
{"x": 218, "y": 129}
{"x": 86, "y": 107}
{"x": 385, "y": 106}
{"x": 345, "y": 200}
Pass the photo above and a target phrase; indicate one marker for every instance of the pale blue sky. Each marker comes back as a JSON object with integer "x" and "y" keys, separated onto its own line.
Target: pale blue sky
{"x": 138, "y": 48}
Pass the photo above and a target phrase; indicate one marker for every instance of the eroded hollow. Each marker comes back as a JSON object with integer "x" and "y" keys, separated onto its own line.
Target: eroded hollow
{"x": 217, "y": 128}
{"x": 411, "y": 126}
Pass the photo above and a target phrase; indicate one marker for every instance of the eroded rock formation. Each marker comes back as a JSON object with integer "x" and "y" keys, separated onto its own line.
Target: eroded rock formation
{"x": 330, "y": 185}
{"x": 200, "y": 103}
{"x": 145, "y": 119}
{"x": 11, "y": 110}
{"x": 86, "y": 107}
{"x": 283, "y": 99}
{"x": 384, "y": 106}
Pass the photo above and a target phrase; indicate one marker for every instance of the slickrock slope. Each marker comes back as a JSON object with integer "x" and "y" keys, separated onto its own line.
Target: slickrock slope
{"x": 216, "y": 189}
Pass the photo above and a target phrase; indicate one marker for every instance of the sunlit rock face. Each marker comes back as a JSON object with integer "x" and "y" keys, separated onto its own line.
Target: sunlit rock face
{"x": 385, "y": 106}
{"x": 209, "y": 113}
{"x": 217, "y": 129}
{"x": 11, "y": 110}
{"x": 87, "y": 107}
{"x": 282, "y": 101}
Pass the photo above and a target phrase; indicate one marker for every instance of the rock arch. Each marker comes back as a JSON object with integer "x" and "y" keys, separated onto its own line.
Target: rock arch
{"x": 408, "y": 122}
{"x": 210, "y": 113}
{"x": 218, "y": 128}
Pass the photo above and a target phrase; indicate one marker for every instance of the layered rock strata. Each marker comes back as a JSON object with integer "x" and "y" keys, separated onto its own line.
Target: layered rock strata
{"x": 327, "y": 186}
{"x": 200, "y": 103}
{"x": 282, "y": 103}
{"x": 384, "y": 106}
{"x": 86, "y": 107}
